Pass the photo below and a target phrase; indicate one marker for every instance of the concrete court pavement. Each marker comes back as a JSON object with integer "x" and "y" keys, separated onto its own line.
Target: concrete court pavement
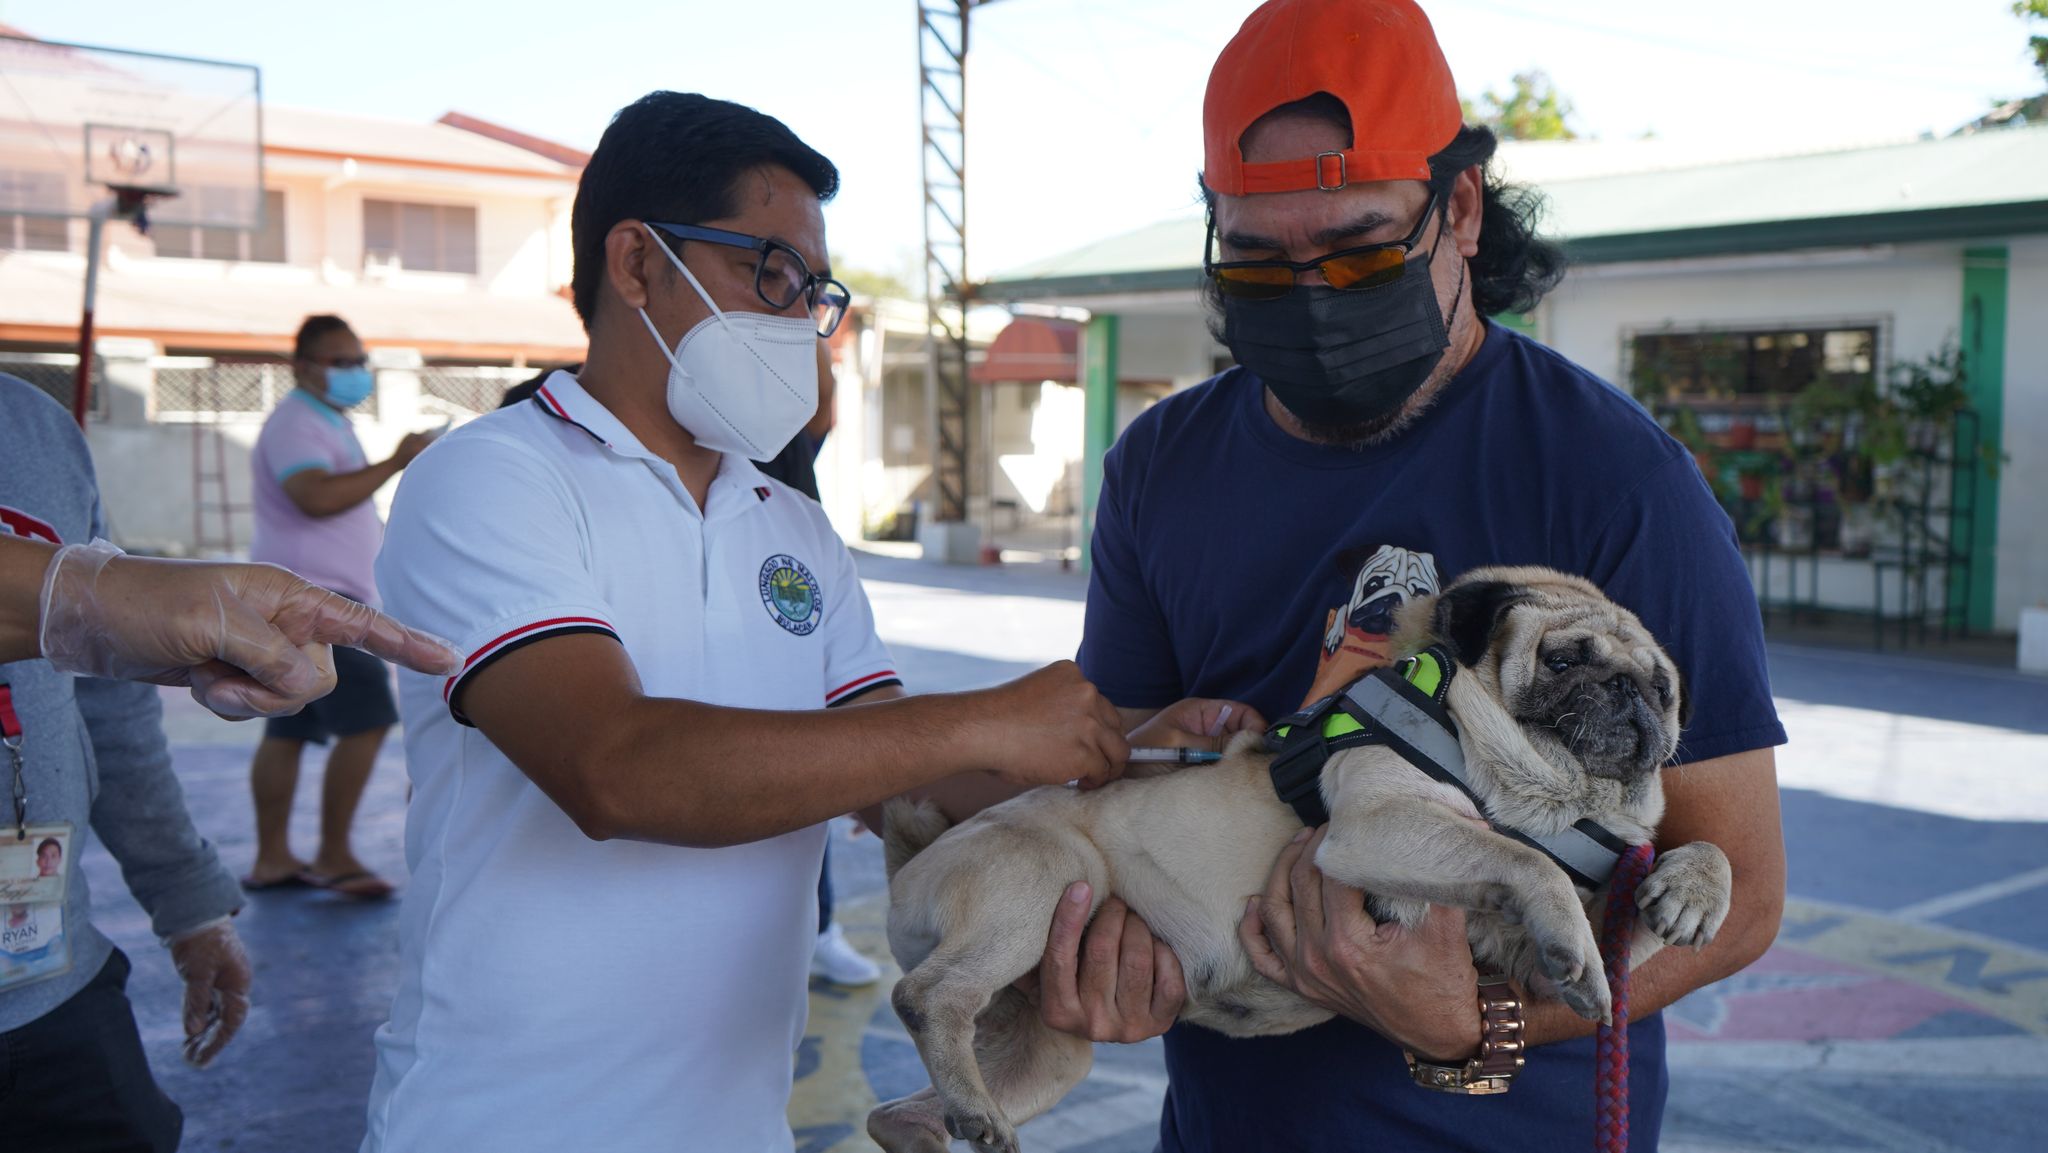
{"x": 1904, "y": 1007}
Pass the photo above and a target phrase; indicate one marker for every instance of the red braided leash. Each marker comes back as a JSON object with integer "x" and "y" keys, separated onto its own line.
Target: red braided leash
{"x": 1610, "y": 1106}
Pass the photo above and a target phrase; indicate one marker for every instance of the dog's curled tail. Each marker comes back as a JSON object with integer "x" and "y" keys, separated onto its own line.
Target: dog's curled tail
{"x": 907, "y": 827}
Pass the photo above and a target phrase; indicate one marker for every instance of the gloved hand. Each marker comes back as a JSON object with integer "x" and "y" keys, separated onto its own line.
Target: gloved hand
{"x": 250, "y": 640}
{"x": 215, "y": 970}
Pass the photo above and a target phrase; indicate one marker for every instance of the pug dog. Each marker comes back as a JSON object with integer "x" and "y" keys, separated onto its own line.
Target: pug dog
{"x": 1566, "y": 709}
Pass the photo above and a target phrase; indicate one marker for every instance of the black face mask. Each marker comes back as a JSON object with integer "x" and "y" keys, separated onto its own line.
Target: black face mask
{"x": 1342, "y": 358}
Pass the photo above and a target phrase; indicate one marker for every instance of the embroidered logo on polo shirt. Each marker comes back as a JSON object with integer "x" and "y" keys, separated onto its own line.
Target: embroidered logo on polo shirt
{"x": 791, "y": 594}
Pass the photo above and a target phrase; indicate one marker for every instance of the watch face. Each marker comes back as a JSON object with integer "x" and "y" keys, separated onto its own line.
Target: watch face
{"x": 1469, "y": 1078}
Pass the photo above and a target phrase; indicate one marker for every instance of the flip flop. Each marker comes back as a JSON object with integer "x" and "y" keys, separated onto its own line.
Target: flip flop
{"x": 288, "y": 881}
{"x": 360, "y": 885}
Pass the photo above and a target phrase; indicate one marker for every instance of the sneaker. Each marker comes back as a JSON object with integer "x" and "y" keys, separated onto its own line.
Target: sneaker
{"x": 838, "y": 962}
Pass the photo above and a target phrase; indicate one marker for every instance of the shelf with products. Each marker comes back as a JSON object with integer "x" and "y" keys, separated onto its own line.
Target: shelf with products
{"x": 1852, "y": 477}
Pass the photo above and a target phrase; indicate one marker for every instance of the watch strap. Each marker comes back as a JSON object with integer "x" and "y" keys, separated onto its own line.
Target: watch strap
{"x": 1501, "y": 1046}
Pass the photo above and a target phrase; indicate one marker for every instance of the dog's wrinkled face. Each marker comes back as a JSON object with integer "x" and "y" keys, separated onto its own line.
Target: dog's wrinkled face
{"x": 1585, "y": 680}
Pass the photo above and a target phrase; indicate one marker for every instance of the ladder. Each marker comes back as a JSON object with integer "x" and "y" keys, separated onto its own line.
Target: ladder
{"x": 213, "y": 504}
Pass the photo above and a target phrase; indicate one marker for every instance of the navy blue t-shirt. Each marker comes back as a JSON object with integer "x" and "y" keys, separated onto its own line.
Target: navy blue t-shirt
{"x": 1233, "y": 560}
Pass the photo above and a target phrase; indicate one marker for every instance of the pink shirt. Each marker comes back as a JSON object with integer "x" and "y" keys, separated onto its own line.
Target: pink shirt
{"x": 335, "y": 552}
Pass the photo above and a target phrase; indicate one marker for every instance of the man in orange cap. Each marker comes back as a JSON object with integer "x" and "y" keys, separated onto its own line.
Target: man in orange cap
{"x": 1379, "y": 437}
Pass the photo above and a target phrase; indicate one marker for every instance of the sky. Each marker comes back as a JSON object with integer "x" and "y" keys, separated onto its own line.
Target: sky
{"x": 1084, "y": 116}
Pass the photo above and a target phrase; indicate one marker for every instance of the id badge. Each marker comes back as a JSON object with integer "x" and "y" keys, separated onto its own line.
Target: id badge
{"x": 33, "y": 872}
{"x": 33, "y": 867}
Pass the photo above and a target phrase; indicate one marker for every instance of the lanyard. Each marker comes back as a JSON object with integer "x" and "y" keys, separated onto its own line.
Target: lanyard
{"x": 10, "y": 736}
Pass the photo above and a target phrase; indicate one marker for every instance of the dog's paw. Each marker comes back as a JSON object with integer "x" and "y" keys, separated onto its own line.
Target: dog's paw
{"x": 1588, "y": 997}
{"x": 908, "y": 1125}
{"x": 1686, "y": 896}
{"x": 1568, "y": 954}
{"x": 983, "y": 1131}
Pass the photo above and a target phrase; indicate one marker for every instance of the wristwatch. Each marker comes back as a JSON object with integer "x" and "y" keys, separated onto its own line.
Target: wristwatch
{"x": 1500, "y": 1046}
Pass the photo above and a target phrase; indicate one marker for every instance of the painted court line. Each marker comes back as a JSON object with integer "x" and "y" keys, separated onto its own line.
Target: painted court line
{"x": 2006, "y": 980}
{"x": 1976, "y": 1059}
{"x": 1971, "y": 897}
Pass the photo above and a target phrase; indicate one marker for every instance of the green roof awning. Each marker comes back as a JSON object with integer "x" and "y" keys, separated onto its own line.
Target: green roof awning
{"x": 1992, "y": 183}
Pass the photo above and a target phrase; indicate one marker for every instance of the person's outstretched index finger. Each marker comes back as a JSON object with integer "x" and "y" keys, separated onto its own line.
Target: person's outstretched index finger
{"x": 340, "y": 621}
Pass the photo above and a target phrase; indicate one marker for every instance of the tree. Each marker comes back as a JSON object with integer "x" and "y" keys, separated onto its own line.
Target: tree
{"x": 2030, "y": 11}
{"x": 868, "y": 282}
{"x": 1533, "y": 109}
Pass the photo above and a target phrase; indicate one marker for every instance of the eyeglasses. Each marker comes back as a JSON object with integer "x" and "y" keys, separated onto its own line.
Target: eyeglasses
{"x": 1352, "y": 269}
{"x": 781, "y": 277}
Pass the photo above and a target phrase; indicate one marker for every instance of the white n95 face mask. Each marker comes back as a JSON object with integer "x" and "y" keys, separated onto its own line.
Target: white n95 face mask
{"x": 740, "y": 382}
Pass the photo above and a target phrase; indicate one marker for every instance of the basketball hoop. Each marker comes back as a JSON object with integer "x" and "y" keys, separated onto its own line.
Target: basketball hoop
{"x": 105, "y": 134}
{"x": 131, "y": 202}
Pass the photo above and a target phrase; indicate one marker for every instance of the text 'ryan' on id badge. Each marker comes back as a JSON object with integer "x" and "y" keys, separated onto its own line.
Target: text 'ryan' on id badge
{"x": 33, "y": 869}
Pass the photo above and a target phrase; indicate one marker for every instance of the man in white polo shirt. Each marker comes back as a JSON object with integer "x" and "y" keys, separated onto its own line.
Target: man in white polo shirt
{"x": 616, "y": 828}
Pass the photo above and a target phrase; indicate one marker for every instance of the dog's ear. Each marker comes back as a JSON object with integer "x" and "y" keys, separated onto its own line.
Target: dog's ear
{"x": 1684, "y": 697}
{"x": 1466, "y": 615}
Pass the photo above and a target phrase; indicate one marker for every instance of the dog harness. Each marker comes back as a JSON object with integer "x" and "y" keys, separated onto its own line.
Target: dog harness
{"x": 1402, "y": 708}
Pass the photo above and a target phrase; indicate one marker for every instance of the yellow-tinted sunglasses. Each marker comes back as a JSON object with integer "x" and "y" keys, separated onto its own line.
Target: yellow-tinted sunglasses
{"x": 1351, "y": 269}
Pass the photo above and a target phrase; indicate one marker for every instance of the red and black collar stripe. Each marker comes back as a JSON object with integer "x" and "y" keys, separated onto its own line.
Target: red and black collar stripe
{"x": 548, "y": 404}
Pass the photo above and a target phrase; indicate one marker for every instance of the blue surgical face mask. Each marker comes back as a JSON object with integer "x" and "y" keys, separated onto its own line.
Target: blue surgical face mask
{"x": 348, "y": 387}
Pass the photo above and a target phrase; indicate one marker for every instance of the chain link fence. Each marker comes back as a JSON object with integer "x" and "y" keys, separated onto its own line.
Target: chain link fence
{"x": 475, "y": 388}
{"x": 211, "y": 388}
{"x": 54, "y": 372}
{"x": 208, "y": 388}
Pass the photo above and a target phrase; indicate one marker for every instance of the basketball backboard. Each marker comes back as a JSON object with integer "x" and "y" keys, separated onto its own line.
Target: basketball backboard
{"x": 78, "y": 121}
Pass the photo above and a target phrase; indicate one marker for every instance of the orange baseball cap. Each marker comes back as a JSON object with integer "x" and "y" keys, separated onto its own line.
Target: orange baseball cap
{"x": 1379, "y": 57}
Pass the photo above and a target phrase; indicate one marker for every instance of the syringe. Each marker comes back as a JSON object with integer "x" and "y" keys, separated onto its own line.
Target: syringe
{"x": 1171, "y": 756}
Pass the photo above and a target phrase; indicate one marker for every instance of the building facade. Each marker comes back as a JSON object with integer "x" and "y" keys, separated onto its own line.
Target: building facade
{"x": 444, "y": 245}
{"x": 1783, "y": 316}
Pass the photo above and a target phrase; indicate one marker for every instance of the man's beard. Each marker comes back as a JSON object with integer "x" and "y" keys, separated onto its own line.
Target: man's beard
{"x": 1356, "y": 435}
{"x": 1359, "y": 435}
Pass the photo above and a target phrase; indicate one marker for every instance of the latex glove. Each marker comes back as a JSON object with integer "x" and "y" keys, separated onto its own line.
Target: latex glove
{"x": 215, "y": 970}
{"x": 250, "y": 640}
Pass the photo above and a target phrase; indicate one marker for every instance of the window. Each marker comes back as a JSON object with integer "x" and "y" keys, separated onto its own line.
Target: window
{"x": 1748, "y": 367}
{"x": 419, "y": 237}
{"x": 200, "y": 242}
{"x": 26, "y": 233}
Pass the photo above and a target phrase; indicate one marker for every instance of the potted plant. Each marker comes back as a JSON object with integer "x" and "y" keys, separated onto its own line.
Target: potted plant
{"x": 1928, "y": 394}
{"x": 1867, "y": 432}
{"x": 1752, "y": 484}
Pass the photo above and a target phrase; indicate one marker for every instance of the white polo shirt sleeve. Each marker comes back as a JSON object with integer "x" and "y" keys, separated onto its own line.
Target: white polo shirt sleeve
{"x": 485, "y": 547}
{"x": 856, "y": 661}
